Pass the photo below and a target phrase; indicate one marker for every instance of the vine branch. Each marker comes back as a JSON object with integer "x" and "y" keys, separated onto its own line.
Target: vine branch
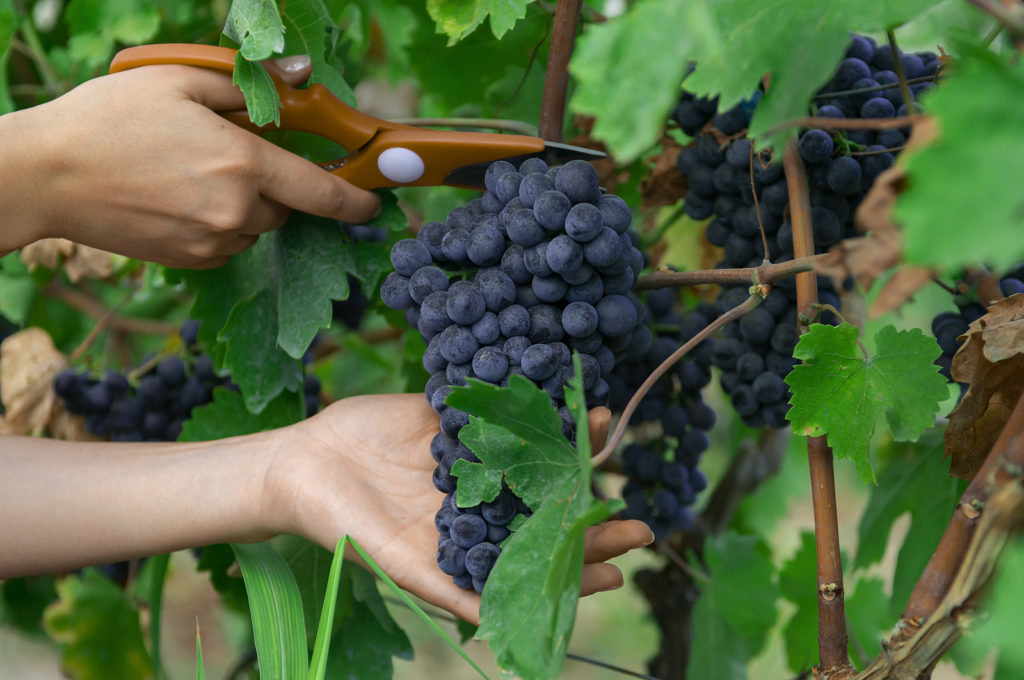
{"x": 832, "y": 636}
{"x": 766, "y": 273}
{"x": 93, "y": 307}
{"x": 556, "y": 78}
{"x": 504, "y": 124}
{"x": 1013, "y": 21}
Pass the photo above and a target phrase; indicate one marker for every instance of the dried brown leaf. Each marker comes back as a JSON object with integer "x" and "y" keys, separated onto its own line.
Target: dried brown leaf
{"x": 78, "y": 261}
{"x": 899, "y": 289}
{"x": 665, "y": 185}
{"x": 46, "y": 252}
{"x": 991, "y": 360}
{"x": 28, "y": 364}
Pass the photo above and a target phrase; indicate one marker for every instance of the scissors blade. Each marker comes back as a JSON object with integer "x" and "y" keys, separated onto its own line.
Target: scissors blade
{"x": 554, "y": 153}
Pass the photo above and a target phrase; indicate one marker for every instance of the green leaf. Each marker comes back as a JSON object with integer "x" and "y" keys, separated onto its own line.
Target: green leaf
{"x": 219, "y": 561}
{"x": 261, "y": 98}
{"x": 200, "y": 671}
{"x": 458, "y": 18}
{"x": 8, "y": 26}
{"x": 736, "y": 608}
{"x": 261, "y": 310}
{"x": 318, "y": 663}
{"x": 368, "y": 639}
{"x": 868, "y": 618}
{"x": 276, "y": 608}
{"x": 841, "y": 393}
{"x": 97, "y": 25}
{"x": 515, "y": 430}
{"x": 17, "y": 289}
{"x": 227, "y": 416}
{"x": 984, "y": 140}
{"x": 1001, "y": 628}
{"x": 150, "y": 588}
{"x": 306, "y": 28}
{"x": 255, "y": 25}
{"x": 97, "y": 627}
{"x": 408, "y": 602}
{"x": 609, "y": 57}
{"x": 476, "y": 483}
{"x": 915, "y": 480}
{"x": 22, "y": 601}
{"x": 311, "y": 566}
{"x": 797, "y": 580}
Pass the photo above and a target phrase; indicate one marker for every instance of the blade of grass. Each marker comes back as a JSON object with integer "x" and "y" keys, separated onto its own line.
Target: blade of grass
{"x": 415, "y": 607}
{"x": 200, "y": 671}
{"x": 318, "y": 664}
{"x": 157, "y": 576}
{"x": 279, "y": 629}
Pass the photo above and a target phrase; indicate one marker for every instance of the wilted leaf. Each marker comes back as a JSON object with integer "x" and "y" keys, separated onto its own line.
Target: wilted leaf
{"x": 665, "y": 185}
{"x": 991, "y": 360}
{"x": 28, "y": 364}
{"x": 80, "y": 261}
{"x": 899, "y": 289}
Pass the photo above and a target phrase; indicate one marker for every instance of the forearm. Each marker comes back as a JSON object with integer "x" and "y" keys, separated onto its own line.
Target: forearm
{"x": 68, "y": 504}
{"x": 20, "y": 205}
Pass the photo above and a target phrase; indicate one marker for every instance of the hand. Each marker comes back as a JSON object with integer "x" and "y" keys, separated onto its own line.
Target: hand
{"x": 139, "y": 163}
{"x": 364, "y": 469}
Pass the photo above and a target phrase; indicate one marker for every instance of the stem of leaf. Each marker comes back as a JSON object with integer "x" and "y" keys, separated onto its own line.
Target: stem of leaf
{"x": 37, "y": 53}
{"x": 908, "y": 98}
{"x": 556, "y": 78}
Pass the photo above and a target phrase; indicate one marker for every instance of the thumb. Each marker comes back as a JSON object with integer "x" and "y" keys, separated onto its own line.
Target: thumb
{"x": 292, "y": 70}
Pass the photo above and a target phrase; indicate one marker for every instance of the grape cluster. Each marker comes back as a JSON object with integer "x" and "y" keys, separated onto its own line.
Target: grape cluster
{"x": 163, "y": 398}
{"x": 745, "y": 192}
{"x": 542, "y": 264}
{"x": 663, "y": 479}
{"x": 947, "y": 327}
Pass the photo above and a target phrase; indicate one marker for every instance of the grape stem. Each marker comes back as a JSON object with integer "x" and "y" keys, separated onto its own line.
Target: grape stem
{"x": 897, "y": 63}
{"x": 93, "y": 307}
{"x": 556, "y": 78}
{"x": 767, "y": 273}
{"x": 848, "y": 123}
{"x": 620, "y": 428}
{"x": 1013, "y": 21}
{"x": 757, "y": 205}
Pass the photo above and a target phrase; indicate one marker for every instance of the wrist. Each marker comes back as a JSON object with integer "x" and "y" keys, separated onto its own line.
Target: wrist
{"x": 24, "y": 172}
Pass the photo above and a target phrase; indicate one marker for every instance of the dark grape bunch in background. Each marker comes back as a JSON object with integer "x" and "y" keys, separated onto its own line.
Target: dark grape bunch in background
{"x": 672, "y": 420}
{"x": 162, "y": 399}
{"x": 756, "y": 355}
{"x": 352, "y": 310}
{"x": 947, "y": 327}
{"x": 541, "y": 265}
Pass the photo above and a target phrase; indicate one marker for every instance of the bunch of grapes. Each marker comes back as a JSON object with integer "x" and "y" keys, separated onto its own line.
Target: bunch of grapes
{"x": 745, "y": 192}
{"x": 542, "y": 264}
{"x": 160, "y": 401}
{"x": 662, "y": 471}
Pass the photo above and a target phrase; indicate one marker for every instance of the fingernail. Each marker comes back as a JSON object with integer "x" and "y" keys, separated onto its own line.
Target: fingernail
{"x": 378, "y": 212}
{"x": 650, "y": 539}
{"x": 293, "y": 64}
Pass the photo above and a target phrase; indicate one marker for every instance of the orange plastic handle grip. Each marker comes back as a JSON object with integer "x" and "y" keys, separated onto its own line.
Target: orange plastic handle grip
{"x": 316, "y": 110}
{"x": 313, "y": 109}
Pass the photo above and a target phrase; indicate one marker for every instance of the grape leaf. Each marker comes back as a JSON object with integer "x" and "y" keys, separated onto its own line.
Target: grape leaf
{"x": 984, "y": 140}
{"x": 544, "y": 557}
{"x": 96, "y": 25}
{"x": 841, "y": 393}
{"x": 367, "y": 639}
{"x": 796, "y": 583}
{"x": 457, "y": 18}
{"x": 1002, "y": 626}
{"x": 261, "y": 310}
{"x": 255, "y": 26}
{"x": 476, "y": 482}
{"x": 97, "y": 626}
{"x": 8, "y": 26}
{"x": 631, "y": 110}
{"x": 261, "y": 98}
{"x": 736, "y": 608}
{"x": 868, "y": 616}
{"x": 22, "y": 601}
{"x": 306, "y": 23}
{"x": 735, "y": 43}
{"x": 227, "y": 416}
{"x": 914, "y": 480}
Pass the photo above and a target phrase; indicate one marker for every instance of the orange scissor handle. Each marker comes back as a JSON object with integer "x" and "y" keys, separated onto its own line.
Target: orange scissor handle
{"x": 313, "y": 109}
{"x": 367, "y": 139}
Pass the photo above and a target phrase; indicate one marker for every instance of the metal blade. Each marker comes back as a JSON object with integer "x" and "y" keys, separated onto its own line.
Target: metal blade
{"x": 554, "y": 153}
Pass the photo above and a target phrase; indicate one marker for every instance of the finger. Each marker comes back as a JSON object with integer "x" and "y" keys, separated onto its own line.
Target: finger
{"x": 301, "y": 185}
{"x": 265, "y": 216}
{"x": 292, "y": 70}
{"x": 599, "y": 419}
{"x": 611, "y": 539}
{"x": 600, "y": 577}
{"x": 213, "y": 89}
{"x": 239, "y": 243}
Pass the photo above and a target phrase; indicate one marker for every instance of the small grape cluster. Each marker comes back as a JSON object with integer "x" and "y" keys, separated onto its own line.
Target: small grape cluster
{"x": 947, "y": 327}
{"x": 542, "y": 264}
{"x": 663, "y": 478}
{"x": 163, "y": 398}
{"x": 351, "y": 310}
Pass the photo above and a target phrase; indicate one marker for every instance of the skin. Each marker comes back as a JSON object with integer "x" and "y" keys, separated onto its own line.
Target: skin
{"x": 359, "y": 468}
{"x": 153, "y": 172}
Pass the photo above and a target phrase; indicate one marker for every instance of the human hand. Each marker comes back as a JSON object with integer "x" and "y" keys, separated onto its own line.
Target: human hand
{"x": 362, "y": 468}
{"x": 140, "y": 163}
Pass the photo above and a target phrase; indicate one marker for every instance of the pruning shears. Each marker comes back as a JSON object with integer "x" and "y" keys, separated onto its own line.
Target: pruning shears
{"x": 380, "y": 153}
